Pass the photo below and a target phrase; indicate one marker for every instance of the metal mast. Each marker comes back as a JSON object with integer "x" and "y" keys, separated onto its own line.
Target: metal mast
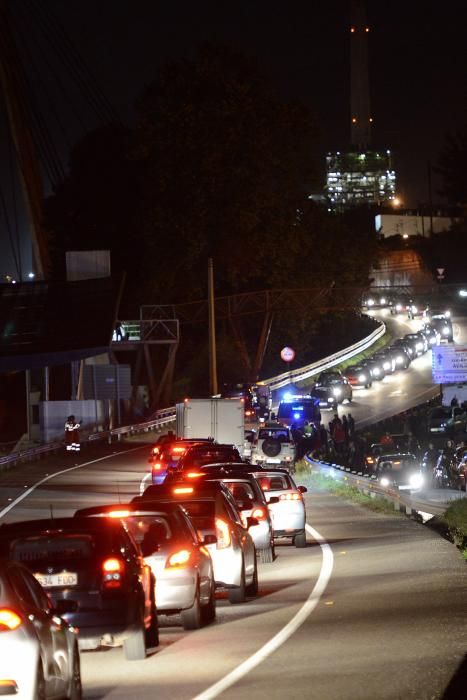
{"x": 360, "y": 114}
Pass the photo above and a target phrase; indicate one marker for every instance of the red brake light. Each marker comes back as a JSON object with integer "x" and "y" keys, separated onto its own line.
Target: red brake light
{"x": 222, "y": 533}
{"x": 183, "y": 489}
{"x": 178, "y": 559}
{"x": 9, "y": 620}
{"x": 118, "y": 514}
{"x": 178, "y": 450}
{"x": 290, "y": 496}
{"x": 258, "y": 513}
{"x": 113, "y": 572}
{"x": 193, "y": 475}
{"x": 157, "y": 466}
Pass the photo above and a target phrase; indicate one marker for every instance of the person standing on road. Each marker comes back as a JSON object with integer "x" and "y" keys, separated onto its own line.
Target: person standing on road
{"x": 345, "y": 424}
{"x": 72, "y": 440}
{"x": 351, "y": 423}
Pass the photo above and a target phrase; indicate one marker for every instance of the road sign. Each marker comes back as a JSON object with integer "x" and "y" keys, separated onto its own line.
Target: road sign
{"x": 440, "y": 271}
{"x": 449, "y": 364}
{"x": 288, "y": 354}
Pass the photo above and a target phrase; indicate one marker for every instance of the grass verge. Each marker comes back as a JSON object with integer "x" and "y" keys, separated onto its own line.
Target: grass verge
{"x": 304, "y": 473}
{"x": 455, "y": 519}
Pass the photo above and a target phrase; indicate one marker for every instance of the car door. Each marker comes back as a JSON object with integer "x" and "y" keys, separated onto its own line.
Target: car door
{"x": 45, "y": 628}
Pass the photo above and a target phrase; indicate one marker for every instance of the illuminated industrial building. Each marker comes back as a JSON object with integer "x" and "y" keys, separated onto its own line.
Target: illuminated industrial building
{"x": 360, "y": 175}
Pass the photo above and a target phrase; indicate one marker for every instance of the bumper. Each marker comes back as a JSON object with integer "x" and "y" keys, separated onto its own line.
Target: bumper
{"x": 175, "y": 591}
{"x": 19, "y": 655}
{"x": 261, "y": 535}
{"x": 227, "y": 565}
{"x": 286, "y": 520}
{"x": 115, "y": 619}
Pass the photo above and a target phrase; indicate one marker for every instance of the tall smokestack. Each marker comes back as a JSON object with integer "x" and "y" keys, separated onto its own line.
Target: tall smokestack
{"x": 361, "y": 119}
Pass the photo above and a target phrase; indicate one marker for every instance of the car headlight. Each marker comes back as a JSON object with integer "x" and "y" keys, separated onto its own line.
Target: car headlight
{"x": 362, "y": 377}
{"x": 384, "y": 481}
{"x": 370, "y": 302}
{"x": 376, "y": 371}
{"x": 400, "y": 360}
{"x": 398, "y": 307}
{"x": 386, "y": 365}
{"x": 445, "y": 331}
{"x": 337, "y": 392}
{"x": 414, "y": 309}
{"x": 419, "y": 346}
{"x": 382, "y": 300}
{"x": 432, "y": 340}
{"x": 447, "y": 314}
{"x": 416, "y": 481}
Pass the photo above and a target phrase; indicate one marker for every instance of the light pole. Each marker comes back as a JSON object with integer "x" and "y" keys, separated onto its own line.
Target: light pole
{"x": 212, "y": 331}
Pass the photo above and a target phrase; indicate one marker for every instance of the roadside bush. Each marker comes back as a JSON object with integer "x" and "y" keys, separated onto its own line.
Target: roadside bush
{"x": 455, "y": 518}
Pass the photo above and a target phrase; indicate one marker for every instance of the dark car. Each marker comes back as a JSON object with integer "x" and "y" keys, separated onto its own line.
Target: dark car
{"x": 401, "y": 356}
{"x": 166, "y": 456}
{"x": 357, "y": 375}
{"x": 375, "y": 367}
{"x": 419, "y": 343}
{"x": 198, "y": 455}
{"x": 96, "y": 566}
{"x": 407, "y": 345}
{"x": 446, "y": 420}
{"x": 399, "y": 471}
{"x": 444, "y": 327}
{"x": 431, "y": 334}
{"x": 387, "y": 361}
{"x": 399, "y": 305}
{"x": 335, "y": 380}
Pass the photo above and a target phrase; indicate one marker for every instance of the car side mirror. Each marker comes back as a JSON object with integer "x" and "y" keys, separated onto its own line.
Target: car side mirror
{"x": 273, "y": 499}
{"x": 251, "y": 522}
{"x": 209, "y": 539}
{"x": 63, "y": 605}
{"x": 302, "y": 489}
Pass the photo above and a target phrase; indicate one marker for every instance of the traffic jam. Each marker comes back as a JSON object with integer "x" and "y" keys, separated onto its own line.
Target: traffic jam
{"x": 220, "y": 494}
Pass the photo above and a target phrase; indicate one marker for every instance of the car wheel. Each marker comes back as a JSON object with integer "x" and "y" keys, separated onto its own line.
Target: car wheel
{"x": 152, "y": 632}
{"x": 40, "y": 683}
{"x": 135, "y": 645}
{"x": 191, "y": 618}
{"x": 300, "y": 540}
{"x": 252, "y": 589}
{"x": 76, "y": 689}
{"x": 266, "y": 555}
{"x": 238, "y": 595}
{"x": 208, "y": 612}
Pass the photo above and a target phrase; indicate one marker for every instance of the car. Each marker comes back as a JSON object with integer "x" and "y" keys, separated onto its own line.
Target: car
{"x": 387, "y": 361}
{"x": 444, "y": 327}
{"x": 39, "y": 656}
{"x": 436, "y": 312}
{"x": 407, "y": 345}
{"x": 431, "y": 334}
{"x": 181, "y": 565}
{"x": 375, "y": 301}
{"x": 97, "y": 567}
{"x": 419, "y": 343}
{"x": 357, "y": 376}
{"x": 288, "y": 512}
{"x": 167, "y": 455}
{"x": 274, "y": 446}
{"x": 295, "y": 409}
{"x": 213, "y": 511}
{"x": 375, "y": 367}
{"x": 401, "y": 356}
{"x": 416, "y": 308}
{"x": 399, "y": 305}
{"x": 197, "y": 455}
{"x": 399, "y": 471}
{"x": 335, "y": 380}
{"x": 446, "y": 420}
{"x": 250, "y": 501}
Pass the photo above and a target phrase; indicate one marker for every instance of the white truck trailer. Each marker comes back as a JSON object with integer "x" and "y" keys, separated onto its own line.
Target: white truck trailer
{"x": 221, "y": 419}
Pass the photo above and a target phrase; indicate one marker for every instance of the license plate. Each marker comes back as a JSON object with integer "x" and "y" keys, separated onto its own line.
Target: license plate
{"x": 66, "y": 578}
{"x": 273, "y": 461}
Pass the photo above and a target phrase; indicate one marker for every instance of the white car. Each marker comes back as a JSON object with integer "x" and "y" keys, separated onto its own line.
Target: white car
{"x": 288, "y": 512}
{"x": 215, "y": 515}
{"x": 274, "y": 446}
{"x": 39, "y": 655}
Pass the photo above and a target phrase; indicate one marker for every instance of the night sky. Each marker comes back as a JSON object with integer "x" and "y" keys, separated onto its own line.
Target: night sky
{"x": 418, "y": 60}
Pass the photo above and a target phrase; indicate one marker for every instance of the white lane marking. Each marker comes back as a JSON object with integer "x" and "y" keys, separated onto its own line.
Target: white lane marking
{"x": 63, "y": 471}
{"x": 287, "y": 631}
{"x": 142, "y": 486}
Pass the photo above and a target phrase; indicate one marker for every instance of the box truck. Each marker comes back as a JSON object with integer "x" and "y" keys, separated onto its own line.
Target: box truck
{"x": 220, "y": 419}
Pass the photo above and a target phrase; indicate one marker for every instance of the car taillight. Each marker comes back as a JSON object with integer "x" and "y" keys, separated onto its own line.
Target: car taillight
{"x": 290, "y": 496}
{"x": 113, "y": 572}
{"x": 222, "y": 534}
{"x": 178, "y": 559}
{"x": 155, "y": 451}
{"x": 370, "y": 460}
{"x": 258, "y": 513}
{"x": 9, "y": 620}
{"x": 156, "y": 467}
{"x": 180, "y": 490}
{"x": 178, "y": 450}
{"x": 194, "y": 475}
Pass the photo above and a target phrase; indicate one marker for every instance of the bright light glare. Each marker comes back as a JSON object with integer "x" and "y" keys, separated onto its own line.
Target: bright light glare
{"x": 463, "y": 292}
{"x": 416, "y": 481}
{"x": 31, "y": 275}
{"x": 287, "y": 396}
{"x": 384, "y": 481}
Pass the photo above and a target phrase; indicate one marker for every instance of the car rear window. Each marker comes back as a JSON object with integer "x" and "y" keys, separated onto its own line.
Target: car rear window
{"x": 278, "y": 434}
{"x": 55, "y": 548}
{"x": 276, "y": 482}
{"x": 240, "y": 490}
{"x": 199, "y": 459}
{"x": 156, "y": 527}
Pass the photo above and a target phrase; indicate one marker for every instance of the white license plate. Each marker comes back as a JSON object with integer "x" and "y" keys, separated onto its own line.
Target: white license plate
{"x": 66, "y": 578}
{"x": 273, "y": 460}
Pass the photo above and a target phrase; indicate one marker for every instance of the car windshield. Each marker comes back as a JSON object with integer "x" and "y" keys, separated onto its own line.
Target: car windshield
{"x": 329, "y": 378}
{"x": 398, "y": 463}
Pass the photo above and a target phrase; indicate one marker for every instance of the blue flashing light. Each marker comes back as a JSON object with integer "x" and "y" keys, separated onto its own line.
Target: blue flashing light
{"x": 287, "y": 396}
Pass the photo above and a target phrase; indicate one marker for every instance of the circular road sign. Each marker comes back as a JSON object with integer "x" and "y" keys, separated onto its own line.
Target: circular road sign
{"x": 287, "y": 354}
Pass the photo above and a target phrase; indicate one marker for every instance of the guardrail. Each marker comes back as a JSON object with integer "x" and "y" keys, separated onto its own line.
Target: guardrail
{"x": 167, "y": 415}
{"x": 406, "y": 502}
{"x": 316, "y": 367}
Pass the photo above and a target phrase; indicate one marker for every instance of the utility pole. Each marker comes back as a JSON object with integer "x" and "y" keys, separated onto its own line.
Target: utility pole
{"x": 212, "y": 331}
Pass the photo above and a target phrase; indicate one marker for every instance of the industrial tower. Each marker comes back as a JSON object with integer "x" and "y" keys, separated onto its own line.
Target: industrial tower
{"x": 359, "y": 176}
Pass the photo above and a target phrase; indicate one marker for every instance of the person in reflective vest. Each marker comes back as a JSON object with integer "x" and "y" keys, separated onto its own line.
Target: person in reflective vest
{"x": 72, "y": 442}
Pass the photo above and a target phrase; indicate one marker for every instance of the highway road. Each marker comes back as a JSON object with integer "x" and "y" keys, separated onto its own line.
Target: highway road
{"x": 373, "y": 609}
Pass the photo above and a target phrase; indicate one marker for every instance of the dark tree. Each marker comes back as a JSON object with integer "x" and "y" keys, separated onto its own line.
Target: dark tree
{"x": 452, "y": 167}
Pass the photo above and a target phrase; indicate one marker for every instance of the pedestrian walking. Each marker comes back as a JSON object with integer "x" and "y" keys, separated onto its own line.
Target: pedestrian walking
{"x": 72, "y": 440}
